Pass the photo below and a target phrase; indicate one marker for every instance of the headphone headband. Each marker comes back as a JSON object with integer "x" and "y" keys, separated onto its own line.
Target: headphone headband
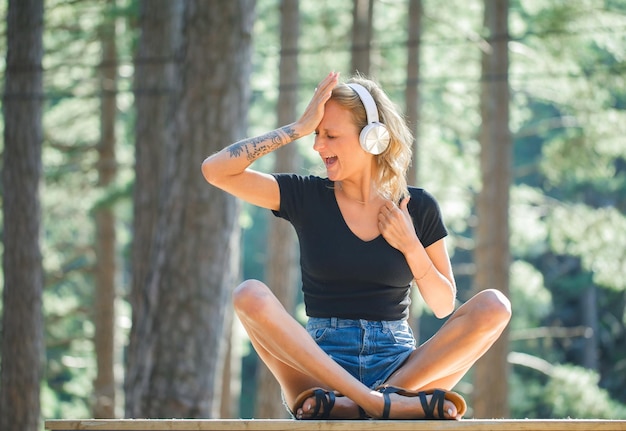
{"x": 371, "y": 111}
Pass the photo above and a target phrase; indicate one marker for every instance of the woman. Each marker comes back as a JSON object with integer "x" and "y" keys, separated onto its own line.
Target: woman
{"x": 365, "y": 238}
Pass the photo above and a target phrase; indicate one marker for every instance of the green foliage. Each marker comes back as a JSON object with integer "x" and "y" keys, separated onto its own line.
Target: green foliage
{"x": 566, "y": 392}
{"x": 528, "y": 295}
{"x": 69, "y": 194}
{"x": 597, "y": 236}
{"x": 572, "y": 392}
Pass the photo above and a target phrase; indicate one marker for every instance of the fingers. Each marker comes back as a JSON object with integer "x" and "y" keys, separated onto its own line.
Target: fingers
{"x": 389, "y": 209}
{"x": 388, "y": 217}
{"x": 395, "y": 225}
{"x": 324, "y": 89}
{"x": 314, "y": 112}
{"x": 404, "y": 204}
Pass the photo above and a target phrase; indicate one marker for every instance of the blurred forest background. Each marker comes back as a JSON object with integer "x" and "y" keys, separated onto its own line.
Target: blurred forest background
{"x": 118, "y": 258}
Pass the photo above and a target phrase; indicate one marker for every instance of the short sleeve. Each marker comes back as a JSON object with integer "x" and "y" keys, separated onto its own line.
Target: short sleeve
{"x": 300, "y": 196}
{"x": 426, "y": 216}
{"x": 291, "y": 190}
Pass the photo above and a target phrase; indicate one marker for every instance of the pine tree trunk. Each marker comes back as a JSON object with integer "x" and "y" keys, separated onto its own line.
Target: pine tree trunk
{"x": 282, "y": 265}
{"x": 412, "y": 101}
{"x": 104, "y": 305}
{"x": 589, "y": 315}
{"x": 411, "y": 93}
{"x": 180, "y": 326}
{"x": 492, "y": 254}
{"x": 155, "y": 89}
{"x": 362, "y": 24}
{"x": 22, "y": 318}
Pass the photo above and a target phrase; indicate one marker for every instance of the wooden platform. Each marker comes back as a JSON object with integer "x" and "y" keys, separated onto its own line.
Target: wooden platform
{"x": 293, "y": 425}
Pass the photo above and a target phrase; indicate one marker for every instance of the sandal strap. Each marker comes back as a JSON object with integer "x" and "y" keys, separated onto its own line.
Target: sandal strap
{"x": 325, "y": 399}
{"x": 386, "y": 390}
{"x": 387, "y": 406}
{"x": 362, "y": 413}
{"x": 436, "y": 402}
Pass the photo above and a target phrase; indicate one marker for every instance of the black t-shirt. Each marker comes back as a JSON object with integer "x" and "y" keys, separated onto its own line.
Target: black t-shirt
{"x": 342, "y": 275}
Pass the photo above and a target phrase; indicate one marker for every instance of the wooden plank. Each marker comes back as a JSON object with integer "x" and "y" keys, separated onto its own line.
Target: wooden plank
{"x": 368, "y": 425}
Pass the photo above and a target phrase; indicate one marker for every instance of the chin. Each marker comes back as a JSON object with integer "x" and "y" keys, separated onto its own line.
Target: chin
{"x": 332, "y": 176}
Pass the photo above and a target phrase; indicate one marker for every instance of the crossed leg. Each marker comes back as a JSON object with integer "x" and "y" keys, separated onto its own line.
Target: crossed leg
{"x": 299, "y": 364}
{"x": 469, "y": 332}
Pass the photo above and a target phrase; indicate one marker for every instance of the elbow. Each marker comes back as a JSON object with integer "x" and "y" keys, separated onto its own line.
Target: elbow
{"x": 444, "y": 311}
{"x": 209, "y": 171}
{"x": 445, "y": 307}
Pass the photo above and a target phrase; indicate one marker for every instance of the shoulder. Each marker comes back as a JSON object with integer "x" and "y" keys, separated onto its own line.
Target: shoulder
{"x": 302, "y": 195}
{"x": 423, "y": 207}
{"x": 426, "y": 216}
{"x": 300, "y": 182}
{"x": 421, "y": 198}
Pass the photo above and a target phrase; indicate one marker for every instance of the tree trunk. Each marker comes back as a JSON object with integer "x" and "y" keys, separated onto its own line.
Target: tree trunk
{"x": 230, "y": 392}
{"x": 589, "y": 315}
{"x": 411, "y": 97}
{"x": 282, "y": 247}
{"x": 104, "y": 306}
{"x": 492, "y": 254}
{"x": 180, "y": 325}
{"x": 155, "y": 89}
{"x": 22, "y": 316}
{"x": 411, "y": 93}
{"x": 362, "y": 24}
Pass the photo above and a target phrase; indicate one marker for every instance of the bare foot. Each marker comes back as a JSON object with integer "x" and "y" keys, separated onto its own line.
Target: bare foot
{"x": 412, "y": 405}
{"x": 344, "y": 408}
{"x": 404, "y": 407}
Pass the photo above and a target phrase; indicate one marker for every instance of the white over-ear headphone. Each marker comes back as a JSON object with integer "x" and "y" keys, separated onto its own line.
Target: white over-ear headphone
{"x": 374, "y": 137}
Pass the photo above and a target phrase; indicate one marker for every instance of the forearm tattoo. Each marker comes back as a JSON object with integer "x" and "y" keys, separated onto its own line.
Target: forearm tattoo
{"x": 256, "y": 147}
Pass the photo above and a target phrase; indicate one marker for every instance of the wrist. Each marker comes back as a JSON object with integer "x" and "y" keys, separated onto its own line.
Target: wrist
{"x": 302, "y": 128}
{"x": 291, "y": 131}
{"x": 425, "y": 273}
{"x": 414, "y": 250}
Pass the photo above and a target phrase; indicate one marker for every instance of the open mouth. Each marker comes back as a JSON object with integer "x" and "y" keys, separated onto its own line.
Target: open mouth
{"x": 330, "y": 160}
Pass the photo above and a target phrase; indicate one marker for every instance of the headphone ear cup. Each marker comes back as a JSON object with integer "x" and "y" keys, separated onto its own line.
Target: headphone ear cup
{"x": 374, "y": 138}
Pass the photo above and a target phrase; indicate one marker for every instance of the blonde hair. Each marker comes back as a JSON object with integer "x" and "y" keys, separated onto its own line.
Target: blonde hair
{"x": 393, "y": 163}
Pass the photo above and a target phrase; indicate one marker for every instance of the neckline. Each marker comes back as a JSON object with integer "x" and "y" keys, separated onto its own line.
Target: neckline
{"x": 343, "y": 219}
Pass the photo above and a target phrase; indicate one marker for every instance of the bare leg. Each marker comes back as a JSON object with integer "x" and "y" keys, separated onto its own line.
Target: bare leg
{"x": 287, "y": 349}
{"x": 298, "y": 363}
{"x": 444, "y": 359}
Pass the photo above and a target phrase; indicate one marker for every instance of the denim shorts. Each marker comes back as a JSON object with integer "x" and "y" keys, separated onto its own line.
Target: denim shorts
{"x": 369, "y": 350}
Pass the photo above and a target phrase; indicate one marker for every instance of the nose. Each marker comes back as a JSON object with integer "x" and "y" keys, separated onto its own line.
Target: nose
{"x": 318, "y": 143}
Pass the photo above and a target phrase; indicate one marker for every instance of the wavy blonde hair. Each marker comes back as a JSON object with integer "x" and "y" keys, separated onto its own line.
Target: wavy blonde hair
{"x": 393, "y": 163}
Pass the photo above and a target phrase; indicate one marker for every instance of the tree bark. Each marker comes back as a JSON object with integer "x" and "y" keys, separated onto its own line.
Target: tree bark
{"x": 492, "y": 253}
{"x": 195, "y": 247}
{"x": 22, "y": 316}
{"x": 412, "y": 102}
{"x": 104, "y": 305}
{"x": 156, "y": 91}
{"x": 589, "y": 315}
{"x": 411, "y": 93}
{"x": 282, "y": 265}
{"x": 362, "y": 25}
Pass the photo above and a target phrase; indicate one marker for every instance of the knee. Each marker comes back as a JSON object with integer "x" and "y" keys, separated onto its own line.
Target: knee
{"x": 249, "y": 297}
{"x": 493, "y": 309}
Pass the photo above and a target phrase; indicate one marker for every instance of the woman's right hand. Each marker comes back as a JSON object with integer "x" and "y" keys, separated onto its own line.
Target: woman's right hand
{"x": 314, "y": 112}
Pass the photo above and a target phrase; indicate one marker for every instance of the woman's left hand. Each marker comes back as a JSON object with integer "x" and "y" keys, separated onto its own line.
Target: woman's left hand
{"x": 396, "y": 226}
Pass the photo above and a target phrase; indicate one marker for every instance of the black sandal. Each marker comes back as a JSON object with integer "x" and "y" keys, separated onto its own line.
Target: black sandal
{"x": 438, "y": 396}
{"x": 323, "y": 398}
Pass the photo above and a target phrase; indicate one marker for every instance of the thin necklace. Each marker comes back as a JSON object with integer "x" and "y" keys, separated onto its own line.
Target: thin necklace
{"x": 350, "y": 197}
